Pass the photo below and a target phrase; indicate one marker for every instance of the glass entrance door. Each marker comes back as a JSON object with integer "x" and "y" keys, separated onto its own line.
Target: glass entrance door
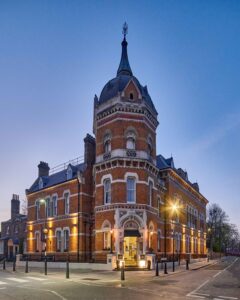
{"x": 130, "y": 251}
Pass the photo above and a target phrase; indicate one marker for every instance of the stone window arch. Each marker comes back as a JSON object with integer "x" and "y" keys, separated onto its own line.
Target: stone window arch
{"x": 107, "y": 142}
{"x": 150, "y": 146}
{"x": 107, "y": 190}
{"x": 107, "y": 232}
{"x": 131, "y": 136}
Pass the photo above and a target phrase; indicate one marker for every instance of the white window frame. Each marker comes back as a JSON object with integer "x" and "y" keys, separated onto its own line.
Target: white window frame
{"x": 107, "y": 188}
{"x": 66, "y": 202}
{"x": 132, "y": 191}
{"x": 55, "y": 204}
{"x": 58, "y": 240}
{"x": 150, "y": 191}
{"x": 66, "y": 242}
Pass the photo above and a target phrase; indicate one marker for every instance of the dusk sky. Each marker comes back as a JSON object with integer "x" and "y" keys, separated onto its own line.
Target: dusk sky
{"x": 56, "y": 55}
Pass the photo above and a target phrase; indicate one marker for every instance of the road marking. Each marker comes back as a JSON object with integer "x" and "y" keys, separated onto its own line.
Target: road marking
{"x": 1, "y": 282}
{"x": 18, "y": 280}
{"x": 225, "y": 297}
{"x": 217, "y": 274}
{"x": 197, "y": 289}
{"x": 58, "y": 295}
{"x": 2, "y": 288}
{"x": 195, "y": 296}
{"x": 201, "y": 294}
{"x": 35, "y": 278}
{"x": 214, "y": 276}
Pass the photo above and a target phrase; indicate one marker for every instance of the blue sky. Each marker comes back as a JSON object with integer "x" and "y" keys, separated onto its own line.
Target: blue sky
{"x": 55, "y": 55}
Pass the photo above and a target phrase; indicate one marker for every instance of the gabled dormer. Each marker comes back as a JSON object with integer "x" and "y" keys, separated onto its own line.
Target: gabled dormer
{"x": 131, "y": 92}
{"x": 69, "y": 172}
{"x": 40, "y": 183}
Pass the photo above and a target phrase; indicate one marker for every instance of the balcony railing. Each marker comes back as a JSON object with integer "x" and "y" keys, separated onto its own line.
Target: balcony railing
{"x": 63, "y": 166}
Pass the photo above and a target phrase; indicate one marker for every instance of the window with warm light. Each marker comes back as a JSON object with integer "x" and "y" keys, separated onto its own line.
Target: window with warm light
{"x": 107, "y": 240}
{"x": 66, "y": 239}
{"x": 59, "y": 241}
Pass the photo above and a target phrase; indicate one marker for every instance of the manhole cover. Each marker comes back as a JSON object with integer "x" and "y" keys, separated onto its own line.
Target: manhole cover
{"x": 90, "y": 279}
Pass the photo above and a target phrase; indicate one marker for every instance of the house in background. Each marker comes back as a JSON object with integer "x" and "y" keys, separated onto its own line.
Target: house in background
{"x": 13, "y": 236}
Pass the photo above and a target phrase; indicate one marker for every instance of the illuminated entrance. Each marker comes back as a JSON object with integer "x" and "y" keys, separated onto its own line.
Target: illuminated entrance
{"x": 131, "y": 247}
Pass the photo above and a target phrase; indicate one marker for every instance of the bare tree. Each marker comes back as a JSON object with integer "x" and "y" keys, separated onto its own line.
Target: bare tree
{"x": 221, "y": 235}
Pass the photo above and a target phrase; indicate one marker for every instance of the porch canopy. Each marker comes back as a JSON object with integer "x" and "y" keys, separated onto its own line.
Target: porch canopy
{"x": 132, "y": 233}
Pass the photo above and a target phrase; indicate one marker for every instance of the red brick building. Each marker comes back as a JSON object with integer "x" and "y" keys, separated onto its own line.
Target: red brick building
{"x": 123, "y": 197}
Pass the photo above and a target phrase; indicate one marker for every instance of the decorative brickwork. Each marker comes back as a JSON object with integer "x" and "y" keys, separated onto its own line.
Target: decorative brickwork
{"x": 123, "y": 198}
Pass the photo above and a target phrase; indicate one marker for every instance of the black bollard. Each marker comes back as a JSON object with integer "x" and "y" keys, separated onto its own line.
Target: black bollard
{"x": 45, "y": 265}
{"x": 157, "y": 270}
{"x": 14, "y": 265}
{"x": 26, "y": 266}
{"x": 173, "y": 265}
{"x": 165, "y": 268}
{"x": 122, "y": 272}
{"x": 67, "y": 269}
{"x": 4, "y": 264}
{"x": 187, "y": 264}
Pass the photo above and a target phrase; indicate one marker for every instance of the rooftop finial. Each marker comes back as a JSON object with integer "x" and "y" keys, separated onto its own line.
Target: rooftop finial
{"x": 124, "y": 66}
{"x": 125, "y": 29}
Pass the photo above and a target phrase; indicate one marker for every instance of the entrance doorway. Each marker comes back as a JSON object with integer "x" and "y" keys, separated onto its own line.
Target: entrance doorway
{"x": 130, "y": 250}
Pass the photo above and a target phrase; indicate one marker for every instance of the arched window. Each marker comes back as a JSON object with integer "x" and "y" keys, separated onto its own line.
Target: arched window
{"x": 59, "y": 240}
{"x": 49, "y": 208}
{"x": 131, "y": 140}
{"x": 66, "y": 239}
{"x": 150, "y": 149}
{"x": 107, "y": 191}
{"x": 131, "y": 190}
{"x": 150, "y": 193}
{"x": 106, "y": 228}
{"x": 130, "y": 143}
{"x": 55, "y": 202}
{"x": 37, "y": 210}
{"x": 131, "y": 96}
{"x": 107, "y": 143}
{"x": 66, "y": 198}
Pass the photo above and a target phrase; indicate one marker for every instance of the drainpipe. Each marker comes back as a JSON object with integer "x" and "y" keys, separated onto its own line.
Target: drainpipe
{"x": 78, "y": 222}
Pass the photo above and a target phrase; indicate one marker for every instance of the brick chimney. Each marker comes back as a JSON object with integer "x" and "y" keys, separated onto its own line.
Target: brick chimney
{"x": 43, "y": 169}
{"x": 90, "y": 150}
{"x": 15, "y": 206}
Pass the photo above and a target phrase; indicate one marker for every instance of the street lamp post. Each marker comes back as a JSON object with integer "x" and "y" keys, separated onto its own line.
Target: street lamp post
{"x": 111, "y": 241}
{"x": 165, "y": 237}
{"x": 173, "y": 266}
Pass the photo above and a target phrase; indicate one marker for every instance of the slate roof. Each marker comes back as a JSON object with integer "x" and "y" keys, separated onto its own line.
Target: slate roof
{"x": 124, "y": 75}
{"x": 163, "y": 163}
{"x": 166, "y": 163}
{"x": 118, "y": 84}
{"x": 56, "y": 178}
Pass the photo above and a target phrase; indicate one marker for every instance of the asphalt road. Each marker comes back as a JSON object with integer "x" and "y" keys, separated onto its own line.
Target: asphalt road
{"x": 219, "y": 281}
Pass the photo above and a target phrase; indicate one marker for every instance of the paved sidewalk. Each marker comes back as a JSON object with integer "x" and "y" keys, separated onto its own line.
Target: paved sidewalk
{"x": 111, "y": 276}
